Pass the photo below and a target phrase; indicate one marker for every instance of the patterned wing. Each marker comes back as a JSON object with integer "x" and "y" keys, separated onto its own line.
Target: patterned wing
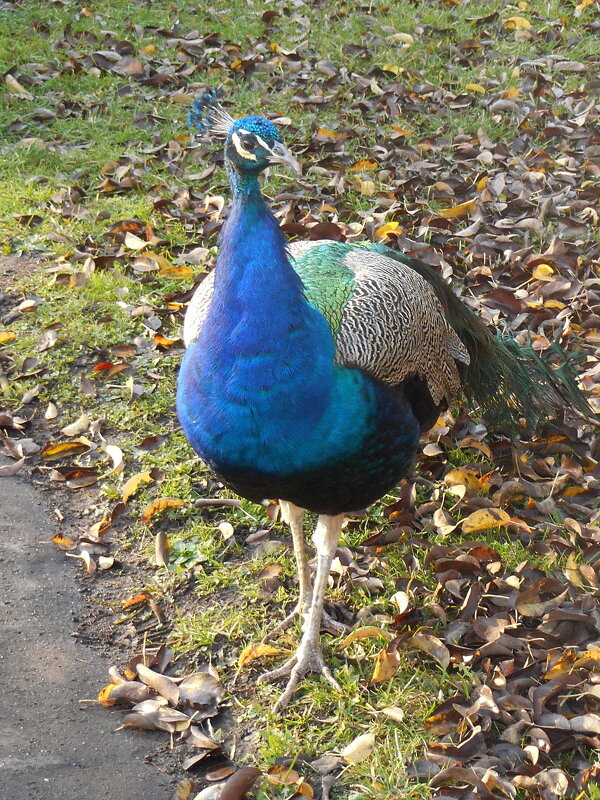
{"x": 390, "y": 322}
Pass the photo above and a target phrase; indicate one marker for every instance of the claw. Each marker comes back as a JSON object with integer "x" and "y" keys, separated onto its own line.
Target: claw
{"x": 307, "y": 659}
{"x": 305, "y": 662}
{"x": 285, "y": 623}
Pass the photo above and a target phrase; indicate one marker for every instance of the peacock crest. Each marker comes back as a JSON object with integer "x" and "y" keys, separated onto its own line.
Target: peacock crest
{"x": 207, "y": 114}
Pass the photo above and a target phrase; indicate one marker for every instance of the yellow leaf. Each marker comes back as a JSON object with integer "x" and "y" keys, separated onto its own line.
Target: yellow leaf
{"x": 162, "y": 262}
{"x": 481, "y": 183}
{"x": 554, "y": 304}
{"x": 512, "y": 93}
{"x": 159, "y": 505}
{"x": 475, "y": 87}
{"x": 573, "y": 491}
{"x": 543, "y": 272}
{"x": 582, "y": 6}
{"x": 254, "y": 651}
{"x": 456, "y": 212}
{"x": 162, "y": 341}
{"x": 386, "y": 666}
{"x": 326, "y": 133}
{"x": 7, "y": 336}
{"x": 104, "y": 695}
{"x": 485, "y": 518}
{"x": 365, "y": 187}
{"x": 593, "y": 654}
{"x": 563, "y": 665}
{"x": 402, "y": 131}
{"x": 64, "y": 449}
{"x": 363, "y": 164}
{"x": 393, "y": 68}
{"x": 388, "y": 227}
{"x": 517, "y": 24}
{"x": 133, "y": 484}
{"x": 465, "y": 477}
{"x": 173, "y": 271}
{"x": 368, "y": 632}
{"x": 64, "y": 543}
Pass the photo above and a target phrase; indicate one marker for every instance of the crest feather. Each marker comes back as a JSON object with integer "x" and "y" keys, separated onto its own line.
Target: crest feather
{"x": 209, "y": 116}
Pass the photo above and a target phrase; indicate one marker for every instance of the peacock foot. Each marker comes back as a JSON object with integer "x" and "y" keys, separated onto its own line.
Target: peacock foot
{"x": 308, "y": 658}
{"x": 328, "y": 624}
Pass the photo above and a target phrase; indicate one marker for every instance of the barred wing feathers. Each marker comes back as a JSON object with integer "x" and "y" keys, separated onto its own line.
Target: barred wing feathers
{"x": 391, "y": 324}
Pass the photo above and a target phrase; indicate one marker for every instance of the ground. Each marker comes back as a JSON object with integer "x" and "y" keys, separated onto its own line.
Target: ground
{"x": 55, "y": 743}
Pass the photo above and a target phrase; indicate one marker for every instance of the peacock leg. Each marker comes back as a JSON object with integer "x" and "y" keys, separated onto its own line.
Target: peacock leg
{"x": 294, "y": 516}
{"x": 308, "y": 656}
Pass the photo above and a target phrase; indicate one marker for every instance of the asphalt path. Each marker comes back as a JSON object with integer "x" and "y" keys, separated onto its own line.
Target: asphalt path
{"x": 52, "y": 747}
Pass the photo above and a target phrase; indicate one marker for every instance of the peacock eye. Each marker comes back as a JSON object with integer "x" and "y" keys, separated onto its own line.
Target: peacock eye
{"x": 248, "y": 142}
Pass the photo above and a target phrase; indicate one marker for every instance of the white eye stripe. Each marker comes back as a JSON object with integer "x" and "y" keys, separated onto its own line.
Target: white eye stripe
{"x": 240, "y": 149}
{"x": 262, "y": 143}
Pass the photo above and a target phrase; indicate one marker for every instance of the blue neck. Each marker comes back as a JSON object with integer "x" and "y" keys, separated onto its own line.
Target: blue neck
{"x": 254, "y": 279}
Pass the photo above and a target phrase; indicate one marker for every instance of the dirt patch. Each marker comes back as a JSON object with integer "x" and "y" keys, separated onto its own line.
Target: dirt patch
{"x": 52, "y": 745}
{"x": 13, "y": 268}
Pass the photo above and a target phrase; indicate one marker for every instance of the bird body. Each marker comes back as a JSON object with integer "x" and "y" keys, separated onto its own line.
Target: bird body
{"x": 311, "y": 369}
{"x": 262, "y": 398}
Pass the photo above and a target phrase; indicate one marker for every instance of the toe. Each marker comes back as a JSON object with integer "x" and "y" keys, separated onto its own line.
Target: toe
{"x": 275, "y": 674}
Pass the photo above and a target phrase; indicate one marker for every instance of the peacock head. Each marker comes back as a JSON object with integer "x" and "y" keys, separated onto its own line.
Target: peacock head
{"x": 251, "y": 143}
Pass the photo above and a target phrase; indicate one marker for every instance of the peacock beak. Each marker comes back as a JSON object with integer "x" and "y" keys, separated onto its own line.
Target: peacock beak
{"x": 279, "y": 154}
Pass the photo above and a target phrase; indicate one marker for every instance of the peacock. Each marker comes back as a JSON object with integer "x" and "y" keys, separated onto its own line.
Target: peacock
{"x": 312, "y": 368}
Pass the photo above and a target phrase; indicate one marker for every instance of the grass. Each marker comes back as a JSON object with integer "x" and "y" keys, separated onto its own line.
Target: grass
{"x": 94, "y": 129}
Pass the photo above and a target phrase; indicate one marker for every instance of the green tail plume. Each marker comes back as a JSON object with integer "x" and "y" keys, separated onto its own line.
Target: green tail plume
{"x": 505, "y": 380}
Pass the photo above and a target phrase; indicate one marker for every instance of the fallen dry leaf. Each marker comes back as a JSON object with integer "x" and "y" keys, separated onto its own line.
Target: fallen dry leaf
{"x": 160, "y": 504}
{"x": 367, "y": 632}
{"x": 52, "y": 452}
{"x": 359, "y": 749}
{"x": 485, "y": 518}
{"x": 254, "y": 651}
{"x": 132, "y": 486}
